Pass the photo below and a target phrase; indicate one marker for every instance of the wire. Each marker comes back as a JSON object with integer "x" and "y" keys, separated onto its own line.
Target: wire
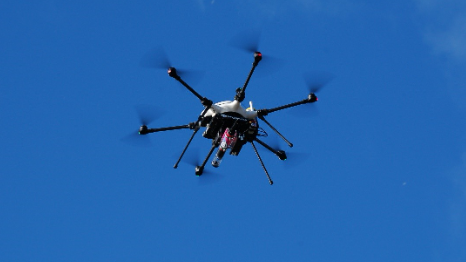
{"x": 261, "y": 132}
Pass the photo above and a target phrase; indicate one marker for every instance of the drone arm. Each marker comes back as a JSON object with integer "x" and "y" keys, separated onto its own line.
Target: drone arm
{"x": 240, "y": 93}
{"x": 264, "y": 112}
{"x": 143, "y": 130}
{"x": 311, "y": 99}
{"x": 205, "y": 102}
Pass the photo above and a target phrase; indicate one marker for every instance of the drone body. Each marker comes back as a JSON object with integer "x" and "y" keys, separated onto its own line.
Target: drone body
{"x": 228, "y": 124}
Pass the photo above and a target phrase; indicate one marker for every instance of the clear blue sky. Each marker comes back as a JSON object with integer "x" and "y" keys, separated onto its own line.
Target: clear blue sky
{"x": 385, "y": 174}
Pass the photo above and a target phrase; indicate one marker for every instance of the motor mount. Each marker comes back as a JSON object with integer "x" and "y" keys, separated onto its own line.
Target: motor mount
{"x": 312, "y": 97}
{"x": 143, "y": 130}
{"x": 198, "y": 170}
{"x": 281, "y": 154}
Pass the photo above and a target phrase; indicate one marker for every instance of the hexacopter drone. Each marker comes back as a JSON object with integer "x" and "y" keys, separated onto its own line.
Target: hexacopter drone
{"x": 228, "y": 124}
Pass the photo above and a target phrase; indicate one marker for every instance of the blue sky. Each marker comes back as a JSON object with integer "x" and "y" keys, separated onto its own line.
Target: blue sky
{"x": 384, "y": 177}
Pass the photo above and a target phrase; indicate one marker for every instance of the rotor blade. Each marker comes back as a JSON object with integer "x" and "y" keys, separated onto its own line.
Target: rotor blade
{"x": 293, "y": 158}
{"x": 193, "y": 76}
{"x": 304, "y": 111}
{"x": 316, "y": 80}
{"x": 269, "y": 65}
{"x": 209, "y": 177}
{"x": 156, "y": 58}
{"x": 193, "y": 158}
{"x": 148, "y": 113}
{"x": 247, "y": 41}
{"x": 135, "y": 139}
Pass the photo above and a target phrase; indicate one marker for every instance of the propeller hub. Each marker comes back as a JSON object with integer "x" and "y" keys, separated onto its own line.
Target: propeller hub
{"x": 281, "y": 154}
{"x": 143, "y": 130}
{"x": 172, "y": 72}
{"x": 198, "y": 170}
{"x": 257, "y": 56}
{"x": 312, "y": 98}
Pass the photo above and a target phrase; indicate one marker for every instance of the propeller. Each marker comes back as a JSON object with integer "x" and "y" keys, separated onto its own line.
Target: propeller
{"x": 146, "y": 115}
{"x": 193, "y": 158}
{"x": 249, "y": 42}
{"x": 157, "y": 58}
{"x": 293, "y": 158}
{"x": 315, "y": 81}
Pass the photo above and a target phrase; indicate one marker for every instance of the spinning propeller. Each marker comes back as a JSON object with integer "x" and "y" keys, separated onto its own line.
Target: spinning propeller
{"x": 315, "y": 81}
{"x": 292, "y": 158}
{"x": 146, "y": 115}
{"x": 193, "y": 159}
{"x": 157, "y": 58}
{"x": 249, "y": 42}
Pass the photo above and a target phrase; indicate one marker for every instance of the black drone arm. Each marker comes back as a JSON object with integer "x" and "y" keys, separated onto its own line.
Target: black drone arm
{"x": 144, "y": 130}
{"x": 240, "y": 92}
{"x": 205, "y": 102}
{"x": 310, "y": 99}
{"x": 263, "y": 112}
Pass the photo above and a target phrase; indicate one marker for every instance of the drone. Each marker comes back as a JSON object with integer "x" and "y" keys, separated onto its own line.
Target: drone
{"x": 229, "y": 125}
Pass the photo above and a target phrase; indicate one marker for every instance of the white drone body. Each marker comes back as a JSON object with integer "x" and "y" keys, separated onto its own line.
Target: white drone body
{"x": 232, "y": 107}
